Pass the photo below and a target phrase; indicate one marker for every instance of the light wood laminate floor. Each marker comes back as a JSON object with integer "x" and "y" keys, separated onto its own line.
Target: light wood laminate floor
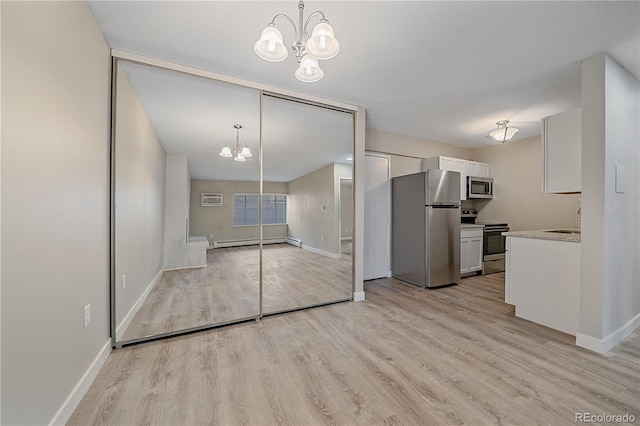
{"x": 406, "y": 355}
{"x": 228, "y": 288}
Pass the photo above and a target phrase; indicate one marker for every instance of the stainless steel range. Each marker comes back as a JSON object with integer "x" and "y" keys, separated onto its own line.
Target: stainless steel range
{"x": 494, "y": 243}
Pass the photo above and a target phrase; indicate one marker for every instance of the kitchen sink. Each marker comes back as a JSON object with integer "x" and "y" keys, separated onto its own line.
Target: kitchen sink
{"x": 564, "y": 231}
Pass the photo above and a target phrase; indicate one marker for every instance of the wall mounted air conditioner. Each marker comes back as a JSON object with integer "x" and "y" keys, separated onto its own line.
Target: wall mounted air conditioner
{"x": 210, "y": 199}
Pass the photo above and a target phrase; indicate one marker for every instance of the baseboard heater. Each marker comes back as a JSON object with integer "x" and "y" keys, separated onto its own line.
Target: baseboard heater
{"x": 294, "y": 242}
{"x": 247, "y": 242}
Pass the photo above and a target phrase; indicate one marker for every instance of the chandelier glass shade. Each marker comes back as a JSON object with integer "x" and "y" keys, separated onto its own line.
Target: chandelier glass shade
{"x": 321, "y": 45}
{"x": 271, "y": 47}
{"x": 503, "y": 133}
{"x": 239, "y": 153}
{"x": 309, "y": 70}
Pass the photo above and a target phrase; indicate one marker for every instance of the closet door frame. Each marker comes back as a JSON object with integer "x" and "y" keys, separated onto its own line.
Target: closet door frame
{"x": 358, "y": 185}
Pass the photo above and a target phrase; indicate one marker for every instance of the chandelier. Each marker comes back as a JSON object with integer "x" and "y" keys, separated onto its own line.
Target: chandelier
{"x": 321, "y": 45}
{"x": 503, "y": 133}
{"x": 238, "y": 153}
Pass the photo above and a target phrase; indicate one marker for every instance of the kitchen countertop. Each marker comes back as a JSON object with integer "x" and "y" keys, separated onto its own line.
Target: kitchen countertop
{"x": 545, "y": 235}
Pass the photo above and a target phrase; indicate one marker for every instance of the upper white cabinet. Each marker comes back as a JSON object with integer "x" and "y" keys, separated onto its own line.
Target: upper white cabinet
{"x": 449, "y": 163}
{"x": 465, "y": 167}
{"x": 562, "y": 152}
{"x": 475, "y": 168}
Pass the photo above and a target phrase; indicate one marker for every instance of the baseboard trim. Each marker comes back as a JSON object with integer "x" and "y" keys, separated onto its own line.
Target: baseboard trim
{"x": 358, "y": 296}
{"x": 248, "y": 242}
{"x": 604, "y": 345}
{"x": 136, "y": 306}
{"x": 321, "y": 252}
{"x": 180, "y": 268}
{"x": 73, "y": 400}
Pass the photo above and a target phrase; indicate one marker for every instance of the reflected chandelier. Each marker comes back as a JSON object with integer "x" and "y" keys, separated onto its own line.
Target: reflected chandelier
{"x": 503, "y": 133}
{"x": 238, "y": 154}
{"x": 322, "y": 44}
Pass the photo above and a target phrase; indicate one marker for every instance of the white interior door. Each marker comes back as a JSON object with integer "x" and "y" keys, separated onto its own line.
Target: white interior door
{"x": 376, "y": 217}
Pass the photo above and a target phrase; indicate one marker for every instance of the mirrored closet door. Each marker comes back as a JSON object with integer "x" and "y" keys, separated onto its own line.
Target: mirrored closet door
{"x": 203, "y": 234}
{"x": 307, "y": 172}
{"x": 175, "y": 198}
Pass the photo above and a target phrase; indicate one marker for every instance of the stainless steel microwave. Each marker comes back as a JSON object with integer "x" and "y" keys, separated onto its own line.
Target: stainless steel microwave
{"x": 479, "y": 187}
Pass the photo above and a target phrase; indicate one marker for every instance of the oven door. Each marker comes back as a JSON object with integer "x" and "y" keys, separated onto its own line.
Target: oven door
{"x": 494, "y": 250}
{"x": 494, "y": 242}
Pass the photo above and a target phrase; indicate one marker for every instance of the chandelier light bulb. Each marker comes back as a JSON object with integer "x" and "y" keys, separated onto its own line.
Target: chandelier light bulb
{"x": 239, "y": 157}
{"x": 226, "y": 152}
{"x": 270, "y": 46}
{"x": 309, "y": 70}
{"x": 322, "y": 44}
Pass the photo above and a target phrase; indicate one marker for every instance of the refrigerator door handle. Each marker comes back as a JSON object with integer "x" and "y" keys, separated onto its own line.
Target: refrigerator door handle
{"x": 444, "y": 206}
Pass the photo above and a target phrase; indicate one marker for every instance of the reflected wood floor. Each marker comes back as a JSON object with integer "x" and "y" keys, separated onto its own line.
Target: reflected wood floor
{"x": 228, "y": 288}
{"x": 406, "y": 355}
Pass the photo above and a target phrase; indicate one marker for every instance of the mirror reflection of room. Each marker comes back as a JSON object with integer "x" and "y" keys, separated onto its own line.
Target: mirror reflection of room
{"x": 309, "y": 148}
{"x": 188, "y": 205}
{"x": 169, "y": 131}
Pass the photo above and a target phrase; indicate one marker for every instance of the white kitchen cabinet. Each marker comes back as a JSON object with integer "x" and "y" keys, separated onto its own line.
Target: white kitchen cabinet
{"x": 562, "y": 152}
{"x": 475, "y": 168}
{"x": 471, "y": 249}
{"x": 543, "y": 281}
{"x": 458, "y": 165}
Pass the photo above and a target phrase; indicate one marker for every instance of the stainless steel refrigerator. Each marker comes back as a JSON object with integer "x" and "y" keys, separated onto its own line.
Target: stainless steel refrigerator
{"x": 426, "y": 228}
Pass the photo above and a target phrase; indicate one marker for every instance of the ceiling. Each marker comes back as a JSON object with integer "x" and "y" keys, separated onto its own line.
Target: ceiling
{"x": 194, "y": 117}
{"x": 445, "y": 71}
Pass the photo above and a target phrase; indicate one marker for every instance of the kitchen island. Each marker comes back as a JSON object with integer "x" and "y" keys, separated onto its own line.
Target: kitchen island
{"x": 542, "y": 277}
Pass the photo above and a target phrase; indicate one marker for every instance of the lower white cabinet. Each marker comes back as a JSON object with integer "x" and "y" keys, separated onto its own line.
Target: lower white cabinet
{"x": 471, "y": 249}
{"x": 543, "y": 281}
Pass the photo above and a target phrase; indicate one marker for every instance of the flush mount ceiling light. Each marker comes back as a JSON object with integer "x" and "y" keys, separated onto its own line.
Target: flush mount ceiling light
{"x": 321, "y": 45}
{"x": 503, "y": 133}
{"x": 239, "y": 153}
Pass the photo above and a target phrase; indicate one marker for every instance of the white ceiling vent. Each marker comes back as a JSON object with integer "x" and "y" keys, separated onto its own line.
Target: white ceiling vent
{"x": 210, "y": 199}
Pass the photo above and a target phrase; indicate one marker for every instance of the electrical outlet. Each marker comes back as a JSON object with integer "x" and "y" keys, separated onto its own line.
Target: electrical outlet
{"x": 87, "y": 315}
{"x": 124, "y": 281}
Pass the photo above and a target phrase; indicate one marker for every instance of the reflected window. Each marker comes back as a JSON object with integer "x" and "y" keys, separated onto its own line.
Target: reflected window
{"x": 246, "y": 209}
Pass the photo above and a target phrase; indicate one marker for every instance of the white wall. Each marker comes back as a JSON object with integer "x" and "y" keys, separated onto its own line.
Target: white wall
{"x": 609, "y": 292}
{"x": 312, "y": 213}
{"x": 346, "y": 209}
{"x": 140, "y": 167}
{"x": 176, "y": 214}
{"x": 341, "y": 171}
{"x": 55, "y": 204}
{"x": 518, "y": 199}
